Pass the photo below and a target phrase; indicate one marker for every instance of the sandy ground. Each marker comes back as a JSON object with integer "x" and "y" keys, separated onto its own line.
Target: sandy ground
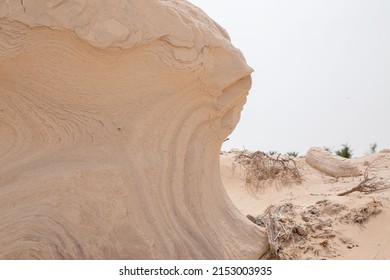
{"x": 330, "y": 223}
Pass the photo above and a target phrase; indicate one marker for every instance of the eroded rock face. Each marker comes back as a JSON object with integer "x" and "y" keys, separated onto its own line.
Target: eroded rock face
{"x": 330, "y": 164}
{"x": 112, "y": 114}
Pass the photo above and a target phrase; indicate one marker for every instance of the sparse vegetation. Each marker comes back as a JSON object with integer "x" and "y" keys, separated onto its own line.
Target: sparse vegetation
{"x": 272, "y": 153}
{"x": 292, "y": 154}
{"x": 373, "y": 147}
{"x": 345, "y": 152}
{"x": 371, "y": 182}
{"x": 263, "y": 168}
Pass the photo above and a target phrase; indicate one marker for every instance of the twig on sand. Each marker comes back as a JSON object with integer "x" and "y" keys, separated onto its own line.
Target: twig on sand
{"x": 371, "y": 182}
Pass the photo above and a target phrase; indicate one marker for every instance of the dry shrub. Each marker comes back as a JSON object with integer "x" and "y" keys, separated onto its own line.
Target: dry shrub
{"x": 371, "y": 181}
{"x": 262, "y": 168}
{"x": 301, "y": 232}
{"x": 362, "y": 214}
{"x": 282, "y": 230}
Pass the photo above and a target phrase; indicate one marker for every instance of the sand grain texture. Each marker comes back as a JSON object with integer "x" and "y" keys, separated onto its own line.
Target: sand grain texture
{"x": 112, "y": 114}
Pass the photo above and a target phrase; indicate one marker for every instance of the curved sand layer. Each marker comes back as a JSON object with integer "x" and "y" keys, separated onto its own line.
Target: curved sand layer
{"x": 112, "y": 115}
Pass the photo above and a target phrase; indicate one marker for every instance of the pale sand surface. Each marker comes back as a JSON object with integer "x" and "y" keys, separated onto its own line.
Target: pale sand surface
{"x": 369, "y": 240}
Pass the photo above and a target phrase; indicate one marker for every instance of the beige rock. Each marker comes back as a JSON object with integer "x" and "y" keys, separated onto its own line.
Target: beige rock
{"x": 330, "y": 164}
{"x": 112, "y": 114}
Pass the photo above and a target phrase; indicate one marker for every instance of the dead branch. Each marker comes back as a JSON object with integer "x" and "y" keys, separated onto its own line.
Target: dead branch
{"x": 260, "y": 167}
{"x": 371, "y": 181}
{"x": 280, "y": 229}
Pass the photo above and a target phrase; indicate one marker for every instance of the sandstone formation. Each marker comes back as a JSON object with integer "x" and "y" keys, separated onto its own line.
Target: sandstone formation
{"x": 112, "y": 114}
{"x": 330, "y": 164}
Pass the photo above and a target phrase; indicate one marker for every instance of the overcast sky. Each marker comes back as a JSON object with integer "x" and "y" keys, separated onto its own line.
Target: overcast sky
{"x": 322, "y": 72}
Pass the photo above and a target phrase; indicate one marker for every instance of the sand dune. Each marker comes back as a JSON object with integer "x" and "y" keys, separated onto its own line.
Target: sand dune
{"x": 112, "y": 114}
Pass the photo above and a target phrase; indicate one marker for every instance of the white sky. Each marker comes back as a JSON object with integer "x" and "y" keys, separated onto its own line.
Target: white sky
{"x": 322, "y": 72}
